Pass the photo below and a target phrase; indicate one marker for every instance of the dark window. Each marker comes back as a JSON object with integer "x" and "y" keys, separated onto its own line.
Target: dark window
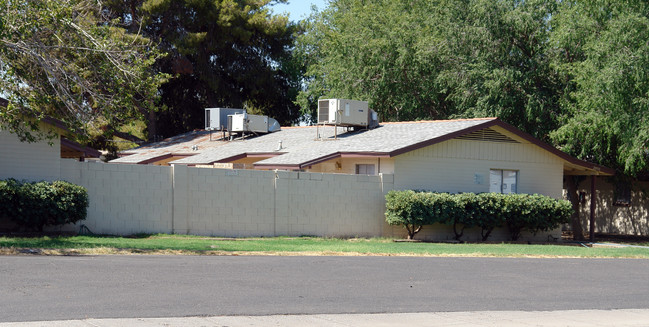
{"x": 622, "y": 194}
{"x": 363, "y": 169}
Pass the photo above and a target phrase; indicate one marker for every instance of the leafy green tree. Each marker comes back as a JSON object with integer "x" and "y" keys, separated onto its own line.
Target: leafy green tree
{"x": 601, "y": 49}
{"x": 608, "y": 66}
{"x": 63, "y": 59}
{"x": 435, "y": 59}
{"x": 375, "y": 51}
{"x": 498, "y": 64}
{"x": 220, "y": 54}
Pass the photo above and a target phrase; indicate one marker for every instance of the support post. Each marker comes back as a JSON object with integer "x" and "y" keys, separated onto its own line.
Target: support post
{"x": 593, "y": 197}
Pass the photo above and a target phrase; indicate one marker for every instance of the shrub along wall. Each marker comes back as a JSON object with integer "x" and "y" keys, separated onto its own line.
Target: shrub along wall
{"x": 487, "y": 211}
{"x": 34, "y": 205}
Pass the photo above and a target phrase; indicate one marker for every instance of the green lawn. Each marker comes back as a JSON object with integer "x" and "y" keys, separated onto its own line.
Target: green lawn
{"x": 182, "y": 244}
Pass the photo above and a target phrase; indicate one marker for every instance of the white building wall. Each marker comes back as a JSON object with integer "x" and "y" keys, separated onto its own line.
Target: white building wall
{"x": 30, "y": 161}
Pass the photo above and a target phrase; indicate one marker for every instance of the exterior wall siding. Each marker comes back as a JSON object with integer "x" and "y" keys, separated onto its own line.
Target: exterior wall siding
{"x": 463, "y": 166}
{"x": 30, "y": 161}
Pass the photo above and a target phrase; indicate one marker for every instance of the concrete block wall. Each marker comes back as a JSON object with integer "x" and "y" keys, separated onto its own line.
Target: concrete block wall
{"x": 128, "y": 199}
{"x": 124, "y": 199}
{"x": 223, "y": 202}
{"x": 331, "y": 204}
{"x": 266, "y": 203}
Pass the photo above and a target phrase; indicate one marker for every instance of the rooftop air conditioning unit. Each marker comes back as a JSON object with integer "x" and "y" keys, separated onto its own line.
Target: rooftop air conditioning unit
{"x": 244, "y": 122}
{"x": 344, "y": 112}
{"x": 217, "y": 118}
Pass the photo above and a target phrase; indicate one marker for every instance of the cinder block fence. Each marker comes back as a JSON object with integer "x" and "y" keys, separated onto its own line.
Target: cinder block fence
{"x": 128, "y": 199}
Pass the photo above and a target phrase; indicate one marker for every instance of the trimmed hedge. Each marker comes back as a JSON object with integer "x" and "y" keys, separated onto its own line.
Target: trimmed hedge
{"x": 34, "y": 205}
{"x": 519, "y": 212}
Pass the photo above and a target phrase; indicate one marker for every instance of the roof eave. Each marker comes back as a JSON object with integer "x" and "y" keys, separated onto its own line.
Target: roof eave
{"x": 365, "y": 155}
{"x": 87, "y": 152}
{"x": 278, "y": 166}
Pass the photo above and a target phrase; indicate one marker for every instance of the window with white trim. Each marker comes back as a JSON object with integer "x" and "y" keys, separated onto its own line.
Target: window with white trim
{"x": 364, "y": 169}
{"x": 503, "y": 181}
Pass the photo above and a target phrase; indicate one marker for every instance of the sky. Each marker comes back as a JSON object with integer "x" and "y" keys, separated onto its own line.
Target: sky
{"x": 298, "y": 9}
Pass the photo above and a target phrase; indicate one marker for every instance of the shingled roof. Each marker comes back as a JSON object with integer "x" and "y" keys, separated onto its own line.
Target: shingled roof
{"x": 301, "y": 146}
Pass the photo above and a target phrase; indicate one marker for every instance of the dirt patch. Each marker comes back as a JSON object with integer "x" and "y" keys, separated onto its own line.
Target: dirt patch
{"x": 609, "y": 238}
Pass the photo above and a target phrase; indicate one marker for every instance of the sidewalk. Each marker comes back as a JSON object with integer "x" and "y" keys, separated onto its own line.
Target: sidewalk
{"x": 627, "y": 317}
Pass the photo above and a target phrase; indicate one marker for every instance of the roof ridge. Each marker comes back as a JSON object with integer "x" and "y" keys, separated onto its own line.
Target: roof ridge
{"x": 296, "y": 127}
{"x": 439, "y": 120}
{"x": 408, "y": 122}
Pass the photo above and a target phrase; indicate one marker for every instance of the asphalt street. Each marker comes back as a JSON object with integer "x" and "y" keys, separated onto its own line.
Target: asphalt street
{"x": 34, "y": 288}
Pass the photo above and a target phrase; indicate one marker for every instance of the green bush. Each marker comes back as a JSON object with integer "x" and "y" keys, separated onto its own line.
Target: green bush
{"x": 35, "y": 205}
{"x": 485, "y": 210}
{"x": 9, "y": 198}
{"x": 407, "y": 208}
{"x": 486, "y": 214}
{"x": 458, "y": 211}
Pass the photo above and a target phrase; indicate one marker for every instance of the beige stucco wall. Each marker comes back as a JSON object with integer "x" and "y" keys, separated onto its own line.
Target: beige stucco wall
{"x": 348, "y": 165}
{"x": 29, "y": 161}
{"x": 614, "y": 219}
{"x": 248, "y": 161}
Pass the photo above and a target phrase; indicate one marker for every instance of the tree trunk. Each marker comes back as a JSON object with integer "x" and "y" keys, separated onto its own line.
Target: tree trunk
{"x": 484, "y": 235}
{"x": 573, "y": 196}
{"x": 459, "y": 234}
{"x": 412, "y": 230}
{"x": 152, "y": 127}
